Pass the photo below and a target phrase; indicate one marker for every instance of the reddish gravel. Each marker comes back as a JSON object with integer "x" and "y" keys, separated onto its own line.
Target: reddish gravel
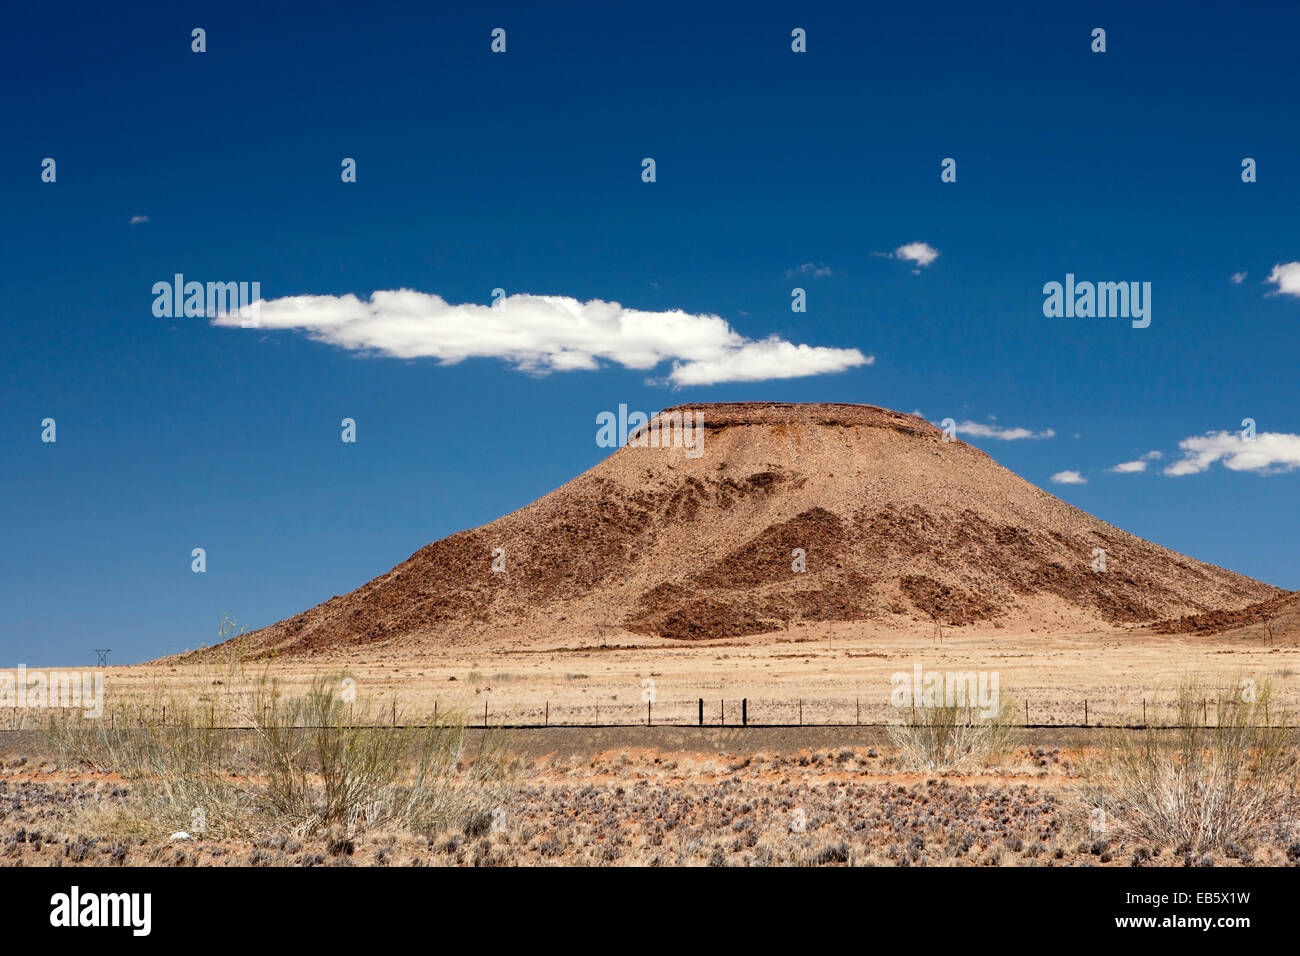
{"x": 1281, "y": 612}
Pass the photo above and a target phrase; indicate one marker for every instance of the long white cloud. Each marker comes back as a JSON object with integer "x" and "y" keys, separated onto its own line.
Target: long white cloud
{"x": 767, "y": 359}
{"x": 547, "y": 333}
{"x": 1269, "y": 453}
{"x": 982, "y": 430}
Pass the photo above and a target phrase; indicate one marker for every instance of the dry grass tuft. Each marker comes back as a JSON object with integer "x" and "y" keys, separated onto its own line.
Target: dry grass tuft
{"x": 251, "y": 759}
{"x": 1196, "y": 788}
{"x": 954, "y": 738}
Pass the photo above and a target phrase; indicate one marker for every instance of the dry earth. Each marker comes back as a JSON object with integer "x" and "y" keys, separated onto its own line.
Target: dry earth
{"x": 744, "y": 806}
{"x": 841, "y": 673}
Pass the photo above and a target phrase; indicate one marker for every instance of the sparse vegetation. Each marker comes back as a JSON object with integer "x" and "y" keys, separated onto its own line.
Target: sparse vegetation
{"x": 1198, "y": 788}
{"x": 954, "y": 738}
{"x": 250, "y": 759}
{"x": 699, "y": 809}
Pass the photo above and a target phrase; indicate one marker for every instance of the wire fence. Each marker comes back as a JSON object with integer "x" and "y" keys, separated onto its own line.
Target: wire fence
{"x": 707, "y": 712}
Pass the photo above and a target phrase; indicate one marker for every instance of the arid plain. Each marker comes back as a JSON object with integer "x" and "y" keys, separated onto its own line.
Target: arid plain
{"x": 683, "y": 658}
{"x": 841, "y": 673}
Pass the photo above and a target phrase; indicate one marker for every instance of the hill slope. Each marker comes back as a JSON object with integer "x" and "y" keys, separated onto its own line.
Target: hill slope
{"x": 894, "y": 521}
{"x": 1275, "y": 620}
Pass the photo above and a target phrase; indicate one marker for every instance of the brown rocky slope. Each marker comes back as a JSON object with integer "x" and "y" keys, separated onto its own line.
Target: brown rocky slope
{"x": 897, "y": 525}
{"x": 1276, "y": 619}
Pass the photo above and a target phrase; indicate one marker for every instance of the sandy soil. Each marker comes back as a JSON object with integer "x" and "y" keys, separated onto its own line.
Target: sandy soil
{"x": 841, "y": 674}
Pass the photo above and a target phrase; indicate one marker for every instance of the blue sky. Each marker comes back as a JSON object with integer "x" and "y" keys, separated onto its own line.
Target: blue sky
{"x": 523, "y": 171}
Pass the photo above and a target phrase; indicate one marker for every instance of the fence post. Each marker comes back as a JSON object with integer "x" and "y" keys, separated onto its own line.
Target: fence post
{"x": 1144, "y": 711}
{"x": 647, "y": 713}
{"x": 1026, "y": 711}
{"x": 701, "y": 711}
{"x": 744, "y": 711}
{"x": 546, "y": 721}
{"x": 723, "y": 704}
{"x": 485, "y": 713}
{"x": 1085, "y": 712}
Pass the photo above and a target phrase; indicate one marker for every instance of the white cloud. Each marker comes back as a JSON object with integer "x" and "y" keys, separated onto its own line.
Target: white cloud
{"x": 760, "y": 361}
{"x": 1069, "y": 478}
{"x": 1238, "y": 278}
{"x": 922, "y": 253}
{"x": 1129, "y": 467}
{"x": 1286, "y": 276}
{"x": 547, "y": 333}
{"x": 815, "y": 269}
{"x": 1269, "y": 453}
{"x": 981, "y": 430}
{"x": 1136, "y": 466}
{"x": 136, "y": 220}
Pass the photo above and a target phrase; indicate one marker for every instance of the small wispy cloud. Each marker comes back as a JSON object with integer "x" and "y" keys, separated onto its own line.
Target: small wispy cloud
{"x": 1069, "y": 478}
{"x": 921, "y": 253}
{"x": 136, "y": 220}
{"x": 983, "y": 430}
{"x": 1238, "y": 278}
{"x": 540, "y": 334}
{"x": 1137, "y": 466}
{"x": 1270, "y": 453}
{"x": 1286, "y": 276}
{"x": 817, "y": 270}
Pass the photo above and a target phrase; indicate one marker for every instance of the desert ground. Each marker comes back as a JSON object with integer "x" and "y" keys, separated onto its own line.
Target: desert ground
{"x": 840, "y": 672}
{"x": 717, "y": 798}
{"x": 591, "y": 784}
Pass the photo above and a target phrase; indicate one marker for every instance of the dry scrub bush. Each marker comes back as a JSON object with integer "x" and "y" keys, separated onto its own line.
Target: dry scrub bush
{"x": 177, "y": 767}
{"x": 954, "y": 738}
{"x": 1196, "y": 788}
{"x": 254, "y": 759}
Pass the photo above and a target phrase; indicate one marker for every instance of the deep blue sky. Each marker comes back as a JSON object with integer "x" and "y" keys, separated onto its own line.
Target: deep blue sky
{"x": 522, "y": 171}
